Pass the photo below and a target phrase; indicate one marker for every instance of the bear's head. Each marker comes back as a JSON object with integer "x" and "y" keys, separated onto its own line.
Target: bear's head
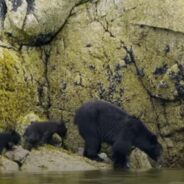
{"x": 153, "y": 148}
{"x": 147, "y": 141}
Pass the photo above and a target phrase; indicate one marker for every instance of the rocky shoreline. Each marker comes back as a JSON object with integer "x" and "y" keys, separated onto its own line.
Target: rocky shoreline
{"x": 52, "y": 159}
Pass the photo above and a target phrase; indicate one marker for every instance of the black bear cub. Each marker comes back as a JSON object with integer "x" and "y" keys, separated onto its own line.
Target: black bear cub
{"x": 8, "y": 139}
{"x": 39, "y": 133}
{"x": 101, "y": 121}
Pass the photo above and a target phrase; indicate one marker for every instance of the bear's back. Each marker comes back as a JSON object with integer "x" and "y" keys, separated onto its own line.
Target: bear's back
{"x": 107, "y": 118}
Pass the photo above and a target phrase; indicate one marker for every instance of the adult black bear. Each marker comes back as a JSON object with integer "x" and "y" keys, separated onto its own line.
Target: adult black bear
{"x": 101, "y": 121}
{"x": 8, "y": 139}
{"x": 39, "y": 133}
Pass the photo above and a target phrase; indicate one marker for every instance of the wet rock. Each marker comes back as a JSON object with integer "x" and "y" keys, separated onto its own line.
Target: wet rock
{"x": 139, "y": 160}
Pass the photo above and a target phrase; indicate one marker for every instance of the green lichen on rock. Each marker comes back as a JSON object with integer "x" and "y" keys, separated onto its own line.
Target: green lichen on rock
{"x": 13, "y": 89}
{"x": 18, "y": 90}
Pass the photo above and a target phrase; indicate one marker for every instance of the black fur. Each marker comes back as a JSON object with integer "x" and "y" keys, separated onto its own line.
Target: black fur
{"x": 9, "y": 139}
{"x": 103, "y": 122}
{"x": 39, "y": 133}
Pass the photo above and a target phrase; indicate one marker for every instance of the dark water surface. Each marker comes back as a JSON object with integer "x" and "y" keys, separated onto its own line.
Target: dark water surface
{"x": 163, "y": 176}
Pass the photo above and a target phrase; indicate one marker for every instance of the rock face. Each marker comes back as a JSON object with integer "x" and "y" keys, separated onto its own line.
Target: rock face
{"x": 56, "y": 55}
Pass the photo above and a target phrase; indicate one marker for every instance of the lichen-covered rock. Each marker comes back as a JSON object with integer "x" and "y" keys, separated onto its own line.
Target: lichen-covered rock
{"x": 52, "y": 159}
{"x": 22, "y": 85}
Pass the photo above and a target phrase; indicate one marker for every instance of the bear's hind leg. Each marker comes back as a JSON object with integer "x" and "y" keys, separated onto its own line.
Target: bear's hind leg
{"x": 92, "y": 148}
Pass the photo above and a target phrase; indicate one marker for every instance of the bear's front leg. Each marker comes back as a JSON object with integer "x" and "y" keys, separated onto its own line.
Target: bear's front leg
{"x": 121, "y": 150}
{"x": 92, "y": 148}
{"x": 120, "y": 160}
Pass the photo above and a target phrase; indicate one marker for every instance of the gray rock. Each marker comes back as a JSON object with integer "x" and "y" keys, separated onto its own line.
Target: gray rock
{"x": 18, "y": 155}
{"x": 105, "y": 157}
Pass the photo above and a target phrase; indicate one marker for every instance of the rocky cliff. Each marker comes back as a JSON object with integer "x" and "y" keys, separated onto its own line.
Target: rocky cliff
{"x": 55, "y": 55}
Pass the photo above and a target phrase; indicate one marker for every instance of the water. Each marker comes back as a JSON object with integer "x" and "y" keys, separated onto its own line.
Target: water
{"x": 97, "y": 177}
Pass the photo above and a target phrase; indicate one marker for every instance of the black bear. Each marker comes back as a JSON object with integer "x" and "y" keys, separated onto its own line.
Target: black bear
{"x": 8, "y": 139}
{"x": 100, "y": 121}
{"x": 39, "y": 133}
